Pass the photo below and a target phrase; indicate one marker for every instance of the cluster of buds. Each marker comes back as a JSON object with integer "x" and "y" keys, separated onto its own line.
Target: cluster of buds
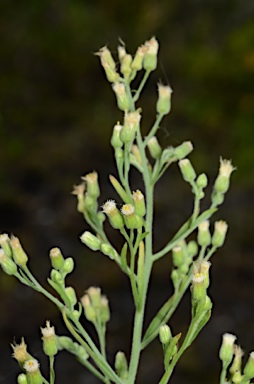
{"x": 182, "y": 255}
{"x": 222, "y": 181}
{"x": 96, "y": 307}
{"x": 204, "y": 237}
{"x": 12, "y": 254}
{"x": 131, "y": 214}
{"x": 230, "y": 353}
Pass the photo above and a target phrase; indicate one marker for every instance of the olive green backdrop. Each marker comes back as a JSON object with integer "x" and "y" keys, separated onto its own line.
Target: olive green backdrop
{"x": 57, "y": 111}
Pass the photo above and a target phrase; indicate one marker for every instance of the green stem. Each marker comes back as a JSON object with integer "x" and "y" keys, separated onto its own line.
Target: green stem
{"x": 154, "y": 128}
{"x": 51, "y": 369}
{"x": 141, "y": 86}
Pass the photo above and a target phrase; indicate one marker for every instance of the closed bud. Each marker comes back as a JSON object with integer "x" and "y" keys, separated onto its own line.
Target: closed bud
{"x": 89, "y": 310}
{"x": 204, "y": 267}
{"x": 178, "y": 256}
{"x": 79, "y": 191}
{"x": 49, "y": 340}
{"x": 204, "y": 236}
{"x": 115, "y": 217}
{"x": 121, "y": 365}
{"x": 123, "y": 102}
{"x": 116, "y": 141}
{"x": 165, "y": 334}
{"x": 121, "y": 52}
{"x": 5, "y": 244}
{"x": 237, "y": 362}
{"x": 136, "y": 153}
{"x": 222, "y": 182}
{"x": 219, "y": 234}
{"x": 139, "y": 203}
{"x": 198, "y": 288}
{"x": 126, "y": 65}
{"x": 109, "y": 251}
{"x": 137, "y": 62}
{"x": 22, "y": 379}
{"x": 7, "y": 264}
{"x": 192, "y": 248}
{"x": 183, "y": 150}
{"x": 95, "y": 296}
{"x": 68, "y": 265}
{"x": 91, "y": 241}
{"x": 33, "y": 372}
{"x": 56, "y": 277}
{"x": 202, "y": 181}
{"x": 237, "y": 378}
{"x": 154, "y": 147}
{"x": 176, "y": 278}
{"x": 56, "y": 257}
{"x": 92, "y": 184}
{"x": 163, "y": 105}
{"x": 249, "y": 368}
{"x": 108, "y": 64}
{"x": 130, "y": 127}
{"x": 104, "y": 310}
{"x": 70, "y": 292}
{"x": 150, "y": 57}
{"x": 227, "y": 348}
{"x": 168, "y": 155}
{"x": 18, "y": 253}
{"x": 187, "y": 170}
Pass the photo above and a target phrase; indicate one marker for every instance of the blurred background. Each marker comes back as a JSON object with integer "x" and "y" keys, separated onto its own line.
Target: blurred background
{"x": 57, "y": 112}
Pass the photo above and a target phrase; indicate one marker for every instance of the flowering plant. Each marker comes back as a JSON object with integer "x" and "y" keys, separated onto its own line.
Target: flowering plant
{"x": 135, "y": 256}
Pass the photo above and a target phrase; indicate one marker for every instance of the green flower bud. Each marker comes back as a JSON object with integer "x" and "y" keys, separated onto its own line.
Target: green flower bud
{"x": 116, "y": 141}
{"x": 33, "y": 372}
{"x": 136, "y": 154}
{"x": 217, "y": 198}
{"x": 57, "y": 277}
{"x": 137, "y": 62}
{"x": 104, "y": 310}
{"x": 70, "y": 292}
{"x": 90, "y": 202}
{"x": 220, "y": 231}
{"x": 163, "y": 105}
{"x": 176, "y": 278}
{"x": 204, "y": 236}
{"x": 192, "y": 248}
{"x": 198, "y": 287}
{"x": 68, "y": 265}
{"x": 154, "y": 147}
{"x": 91, "y": 241}
{"x": 168, "y": 155}
{"x": 115, "y": 217}
{"x": 150, "y": 57}
{"x": 121, "y": 365}
{"x": 90, "y": 312}
{"x": 237, "y": 378}
{"x": 108, "y": 64}
{"x": 18, "y": 254}
{"x": 5, "y": 244}
{"x": 139, "y": 203}
{"x": 121, "y": 52}
{"x": 7, "y": 264}
{"x": 204, "y": 267}
{"x": 109, "y": 251}
{"x": 222, "y": 182}
{"x": 57, "y": 259}
{"x": 22, "y": 379}
{"x": 249, "y": 368}
{"x": 187, "y": 170}
{"x": 165, "y": 334}
{"x": 49, "y": 340}
{"x": 122, "y": 99}
{"x": 237, "y": 362}
{"x": 130, "y": 127}
{"x": 95, "y": 296}
{"x": 126, "y": 65}
{"x": 183, "y": 150}
{"x": 178, "y": 256}
{"x": 92, "y": 184}
{"x": 79, "y": 191}
{"x": 227, "y": 348}
{"x": 202, "y": 181}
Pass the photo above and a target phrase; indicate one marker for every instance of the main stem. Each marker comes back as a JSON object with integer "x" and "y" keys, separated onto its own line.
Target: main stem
{"x": 140, "y": 310}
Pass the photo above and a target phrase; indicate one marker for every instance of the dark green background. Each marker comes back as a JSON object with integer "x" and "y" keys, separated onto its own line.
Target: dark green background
{"x": 57, "y": 111}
